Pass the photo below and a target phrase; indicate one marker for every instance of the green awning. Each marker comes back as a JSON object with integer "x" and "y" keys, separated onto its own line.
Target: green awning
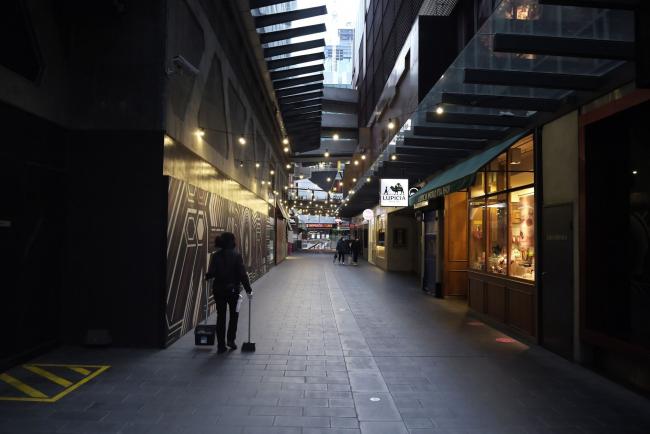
{"x": 461, "y": 175}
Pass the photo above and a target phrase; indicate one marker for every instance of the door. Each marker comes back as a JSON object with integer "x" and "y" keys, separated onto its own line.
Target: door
{"x": 430, "y": 277}
{"x": 556, "y": 292}
{"x": 456, "y": 250}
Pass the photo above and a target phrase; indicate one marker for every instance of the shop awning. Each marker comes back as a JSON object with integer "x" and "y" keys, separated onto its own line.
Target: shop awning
{"x": 461, "y": 175}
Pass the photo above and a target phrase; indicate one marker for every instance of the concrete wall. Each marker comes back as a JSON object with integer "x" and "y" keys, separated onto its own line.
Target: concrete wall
{"x": 560, "y": 186}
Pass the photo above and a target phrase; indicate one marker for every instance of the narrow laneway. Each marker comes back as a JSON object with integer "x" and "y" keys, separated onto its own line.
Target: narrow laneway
{"x": 340, "y": 350}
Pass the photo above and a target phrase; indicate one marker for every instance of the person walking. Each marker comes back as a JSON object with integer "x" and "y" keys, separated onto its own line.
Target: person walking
{"x": 355, "y": 247}
{"x": 341, "y": 246}
{"x": 229, "y": 273}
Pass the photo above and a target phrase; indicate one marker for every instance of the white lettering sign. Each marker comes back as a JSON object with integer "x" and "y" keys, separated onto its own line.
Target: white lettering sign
{"x": 393, "y": 192}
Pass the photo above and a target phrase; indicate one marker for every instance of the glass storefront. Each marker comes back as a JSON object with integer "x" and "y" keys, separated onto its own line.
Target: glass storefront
{"x": 502, "y": 222}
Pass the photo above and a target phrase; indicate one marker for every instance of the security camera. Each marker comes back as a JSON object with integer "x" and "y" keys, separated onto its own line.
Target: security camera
{"x": 182, "y": 63}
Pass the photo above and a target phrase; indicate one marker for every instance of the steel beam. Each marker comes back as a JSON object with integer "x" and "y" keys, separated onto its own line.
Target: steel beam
{"x": 547, "y": 80}
{"x": 291, "y": 82}
{"x": 445, "y": 143}
{"x": 479, "y": 119}
{"x": 502, "y": 101}
{"x": 298, "y": 90}
{"x": 557, "y": 46}
{"x": 286, "y": 17}
{"x": 256, "y": 4}
{"x": 301, "y": 104}
{"x": 295, "y": 60}
{"x": 292, "y": 48}
{"x": 301, "y": 97}
{"x": 294, "y": 72}
{"x": 464, "y": 133}
{"x": 294, "y": 32}
{"x": 299, "y": 111}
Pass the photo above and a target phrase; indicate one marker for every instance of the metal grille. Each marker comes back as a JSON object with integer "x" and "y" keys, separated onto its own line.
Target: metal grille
{"x": 437, "y": 7}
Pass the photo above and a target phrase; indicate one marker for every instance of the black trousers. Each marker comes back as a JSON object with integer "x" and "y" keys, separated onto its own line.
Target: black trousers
{"x": 355, "y": 257}
{"x": 223, "y": 301}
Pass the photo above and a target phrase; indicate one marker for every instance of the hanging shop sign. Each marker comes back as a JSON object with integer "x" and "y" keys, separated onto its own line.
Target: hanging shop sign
{"x": 319, "y": 225}
{"x": 393, "y": 192}
{"x": 368, "y": 214}
{"x": 413, "y": 190}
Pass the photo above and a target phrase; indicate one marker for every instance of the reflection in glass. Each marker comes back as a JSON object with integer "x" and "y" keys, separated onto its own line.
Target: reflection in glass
{"x": 478, "y": 187}
{"x": 522, "y": 232}
{"x": 477, "y": 239}
{"x": 496, "y": 175}
{"x": 521, "y": 163}
{"x": 497, "y": 210}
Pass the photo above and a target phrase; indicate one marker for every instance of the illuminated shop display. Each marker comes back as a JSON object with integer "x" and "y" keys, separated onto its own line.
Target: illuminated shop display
{"x": 502, "y": 214}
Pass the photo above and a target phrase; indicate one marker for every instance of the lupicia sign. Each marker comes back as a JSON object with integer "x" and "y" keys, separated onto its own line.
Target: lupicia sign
{"x": 394, "y": 192}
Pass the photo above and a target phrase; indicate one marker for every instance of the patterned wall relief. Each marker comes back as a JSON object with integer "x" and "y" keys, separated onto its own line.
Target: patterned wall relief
{"x": 195, "y": 217}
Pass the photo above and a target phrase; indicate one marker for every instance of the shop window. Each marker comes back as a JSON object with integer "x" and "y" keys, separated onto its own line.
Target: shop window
{"x": 496, "y": 174}
{"x": 522, "y": 234}
{"x": 497, "y": 213}
{"x": 521, "y": 163}
{"x": 477, "y": 238}
{"x": 478, "y": 187}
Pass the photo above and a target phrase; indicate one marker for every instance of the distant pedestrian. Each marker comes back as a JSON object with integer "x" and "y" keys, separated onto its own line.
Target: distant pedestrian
{"x": 355, "y": 248}
{"x": 229, "y": 274}
{"x": 341, "y": 247}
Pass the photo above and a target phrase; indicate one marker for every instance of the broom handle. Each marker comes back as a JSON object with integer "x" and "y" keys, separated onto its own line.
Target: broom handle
{"x": 250, "y": 314}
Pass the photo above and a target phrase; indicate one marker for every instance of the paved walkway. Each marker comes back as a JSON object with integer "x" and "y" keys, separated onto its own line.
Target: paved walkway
{"x": 340, "y": 350}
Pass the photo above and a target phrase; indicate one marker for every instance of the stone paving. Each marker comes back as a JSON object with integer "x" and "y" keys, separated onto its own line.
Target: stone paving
{"x": 340, "y": 350}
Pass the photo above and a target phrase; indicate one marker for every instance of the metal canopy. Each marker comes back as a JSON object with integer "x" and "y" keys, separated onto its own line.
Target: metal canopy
{"x": 256, "y": 4}
{"x": 467, "y": 133}
{"x": 501, "y": 120}
{"x": 285, "y": 17}
{"x": 556, "y": 46}
{"x": 296, "y": 60}
{"x": 444, "y": 143}
{"x": 549, "y": 80}
{"x": 281, "y": 35}
{"x": 290, "y": 82}
{"x": 300, "y": 111}
{"x": 502, "y": 101}
{"x": 294, "y": 72}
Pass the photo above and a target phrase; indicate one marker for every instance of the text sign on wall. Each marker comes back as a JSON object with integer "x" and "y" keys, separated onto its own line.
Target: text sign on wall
{"x": 394, "y": 192}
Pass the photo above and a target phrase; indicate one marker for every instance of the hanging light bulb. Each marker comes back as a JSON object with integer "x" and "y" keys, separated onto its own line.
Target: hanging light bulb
{"x": 241, "y": 163}
{"x": 241, "y": 140}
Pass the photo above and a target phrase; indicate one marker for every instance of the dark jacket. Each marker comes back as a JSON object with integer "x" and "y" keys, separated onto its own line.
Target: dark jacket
{"x": 228, "y": 271}
{"x": 341, "y": 246}
{"x": 355, "y": 246}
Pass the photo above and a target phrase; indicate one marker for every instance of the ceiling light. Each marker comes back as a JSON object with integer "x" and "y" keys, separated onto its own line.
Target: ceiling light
{"x": 288, "y": 166}
{"x": 356, "y": 162}
{"x": 286, "y": 149}
{"x": 241, "y": 163}
{"x": 257, "y": 165}
{"x": 391, "y": 124}
{"x": 335, "y": 137}
{"x": 368, "y": 179}
{"x": 363, "y": 157}
{"x": 285, "y": 141}
{"x": 329, "y": 179}
{"x": 439, "y": 110}
{"x": 354, "y": 179}
{"x": 272, "y": 172}
{"x": 393, "y": 157}
{"x": 199, "y": 132}
{"x": 327, "y": 153}
{"x": 241, "y": 140}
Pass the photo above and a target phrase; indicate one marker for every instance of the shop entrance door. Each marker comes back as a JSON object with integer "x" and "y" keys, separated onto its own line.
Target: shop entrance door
{"x": 430, "y": 280}
{"x": 556, "y": 292}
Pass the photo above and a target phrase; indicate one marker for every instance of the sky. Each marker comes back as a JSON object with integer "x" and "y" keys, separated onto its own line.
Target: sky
{"x": 341, "y": 14}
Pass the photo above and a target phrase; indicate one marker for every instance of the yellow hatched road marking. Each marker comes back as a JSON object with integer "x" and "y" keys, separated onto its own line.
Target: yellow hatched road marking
{"x": 50, "y": 376}
{"x": 82, "y": 371}
{"x": 27, "y": 390}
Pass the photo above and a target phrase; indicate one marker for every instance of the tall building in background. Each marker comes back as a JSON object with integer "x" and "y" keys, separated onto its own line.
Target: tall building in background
{"x": 339, "y": 60}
